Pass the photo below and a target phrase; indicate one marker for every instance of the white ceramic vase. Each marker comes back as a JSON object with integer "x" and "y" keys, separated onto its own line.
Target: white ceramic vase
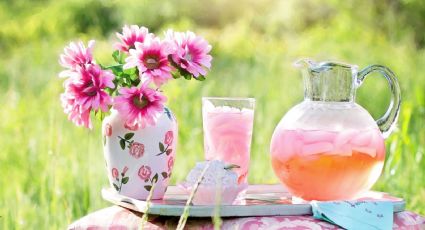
{"x": 136, "y": 159}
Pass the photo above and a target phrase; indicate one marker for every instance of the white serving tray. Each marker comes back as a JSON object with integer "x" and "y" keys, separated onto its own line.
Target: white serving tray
{"x": 258, "y": 200}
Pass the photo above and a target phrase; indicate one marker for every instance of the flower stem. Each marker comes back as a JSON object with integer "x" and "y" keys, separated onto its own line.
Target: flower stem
{"x": 124, "y": 139}
{"x": 112, "y": 66}
{"x": 217, "y": 221}
{"x": 119, "y": 190}
{"x": 165, "y": 150}
{"x": 148, "y": 204}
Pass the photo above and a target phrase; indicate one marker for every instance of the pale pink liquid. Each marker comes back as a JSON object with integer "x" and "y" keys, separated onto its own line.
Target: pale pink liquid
{"x": 227, "y": 137}
{"x": 321, "y": 165}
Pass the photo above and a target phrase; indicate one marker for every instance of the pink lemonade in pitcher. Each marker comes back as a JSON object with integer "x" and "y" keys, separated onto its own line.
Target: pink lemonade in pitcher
{"x": 328, "y": 147}
{"x": 227, "y": 136}
{"x": 329, "y": 165}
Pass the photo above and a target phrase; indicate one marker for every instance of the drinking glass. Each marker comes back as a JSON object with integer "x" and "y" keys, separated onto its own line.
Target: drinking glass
{"x": 228, "y": 124}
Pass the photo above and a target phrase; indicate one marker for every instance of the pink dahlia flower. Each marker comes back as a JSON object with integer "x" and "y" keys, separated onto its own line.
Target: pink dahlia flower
{"x": 151, "y": 59}
{"x": 140, "y": 106}
{"x": 190, "y": 52}
{"x": 87, "y": 87}
{"x": 76, "y": 114}
{"x": 84, "y": 91}
{"x": 76, "y": 55}
{"x": 130, "y": 35}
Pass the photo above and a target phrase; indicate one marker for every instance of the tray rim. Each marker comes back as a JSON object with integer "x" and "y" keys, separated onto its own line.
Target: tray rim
{"x": 112, "y": 196}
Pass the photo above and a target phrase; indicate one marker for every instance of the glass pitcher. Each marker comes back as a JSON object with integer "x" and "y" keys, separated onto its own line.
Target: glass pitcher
{"x": 328, "y": 147}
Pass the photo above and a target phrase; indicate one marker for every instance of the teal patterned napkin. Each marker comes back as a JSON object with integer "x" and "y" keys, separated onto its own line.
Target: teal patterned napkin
{"x": 363, "y": 215}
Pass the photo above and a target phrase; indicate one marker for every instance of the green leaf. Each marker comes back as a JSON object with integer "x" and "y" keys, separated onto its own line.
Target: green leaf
{"x": 161, "y": 147}
{"x": 164, "y": 174}
{"x": 148, "y": 188}
{"x": 231, "y": 166}
{"x": 125, "y": 180}
{"x": 175, "y": 75}
{"x": 155, "y": 178}
{"x": 169, "y": 151}
{"x": 116, "y": 55}
{"x": 128, "y": 136}
{"x": 200, "y": 78}
{"x": 122, "y": 144}
{"x": 116, "y": 187}
{"x": 116, "y": 69}
{"x": 126, "y": 82}
{"x": 126, "y": 76}
{"x": 137, "y": 81}
{"x": 99, "y": 115}
{"x": 187, "y": 76}
{"x": 171, "y": 61}
{"x": 130, "y": 71}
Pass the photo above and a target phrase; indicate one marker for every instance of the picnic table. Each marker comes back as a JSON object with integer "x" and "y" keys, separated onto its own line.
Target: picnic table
{"x": 119, "y": 217}
{"x": 116, "y": 217}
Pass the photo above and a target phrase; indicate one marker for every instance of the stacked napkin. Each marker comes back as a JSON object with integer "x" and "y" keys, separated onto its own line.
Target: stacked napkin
{"x": 363, "y": 215}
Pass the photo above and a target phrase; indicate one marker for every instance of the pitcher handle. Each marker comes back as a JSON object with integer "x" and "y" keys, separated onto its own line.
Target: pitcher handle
{"x": 387, "y": 122}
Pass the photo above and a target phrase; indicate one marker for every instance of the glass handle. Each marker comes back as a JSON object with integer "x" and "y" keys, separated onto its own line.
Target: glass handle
{"x": 387, "y": 122}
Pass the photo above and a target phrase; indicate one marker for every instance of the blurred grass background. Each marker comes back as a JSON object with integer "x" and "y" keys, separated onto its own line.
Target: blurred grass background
{"x": 52, "y": 172}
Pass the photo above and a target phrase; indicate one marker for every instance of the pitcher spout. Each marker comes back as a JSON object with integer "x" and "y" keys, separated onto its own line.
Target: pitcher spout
{"x": 328, "y": 81}
{"x": 304, "y": 63}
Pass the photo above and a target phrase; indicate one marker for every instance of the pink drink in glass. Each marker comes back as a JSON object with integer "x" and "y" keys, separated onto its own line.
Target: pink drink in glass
{"x": 327, "y": 165}
{"x": 227, "y": 135}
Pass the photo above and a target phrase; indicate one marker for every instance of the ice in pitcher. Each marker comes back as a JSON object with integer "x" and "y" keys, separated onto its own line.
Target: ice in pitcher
{"x": 326, "y": 165}
{"x": 227, "y": 136}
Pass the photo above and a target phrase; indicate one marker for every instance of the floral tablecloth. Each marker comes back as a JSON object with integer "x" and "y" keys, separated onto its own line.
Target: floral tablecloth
{"x": 116, "y": 217}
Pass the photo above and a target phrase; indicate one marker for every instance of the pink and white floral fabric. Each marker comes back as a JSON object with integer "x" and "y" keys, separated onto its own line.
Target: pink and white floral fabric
{"x": 116, "y": 217}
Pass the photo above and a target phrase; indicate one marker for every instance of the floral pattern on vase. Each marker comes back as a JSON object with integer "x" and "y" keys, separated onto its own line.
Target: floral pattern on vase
{"x": 145, "y": 173}
{"x": 168, "y": 140}
{"x": 135, "y": 148}
{"x": 138, "y": 151}
{"x": 170, "y": 164}
{"x": 119, "y": 181}
{"x": 167, "y": 174}
{"x": 108, "y": 130}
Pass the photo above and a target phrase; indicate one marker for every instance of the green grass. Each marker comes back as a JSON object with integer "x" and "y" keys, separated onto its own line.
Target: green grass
{"x": 52, "y": 172}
